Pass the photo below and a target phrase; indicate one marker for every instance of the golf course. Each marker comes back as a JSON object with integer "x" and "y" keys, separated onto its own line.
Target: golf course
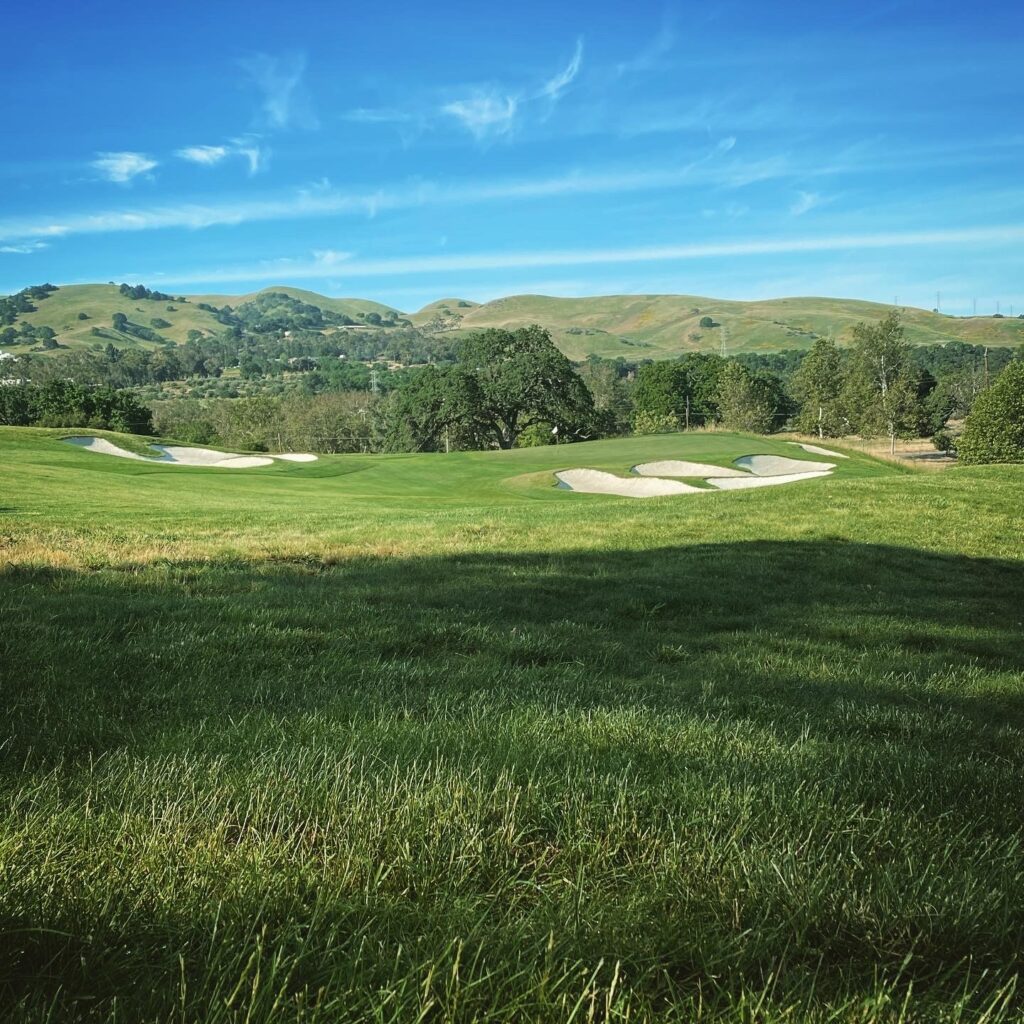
{"x": 417, "y": 737}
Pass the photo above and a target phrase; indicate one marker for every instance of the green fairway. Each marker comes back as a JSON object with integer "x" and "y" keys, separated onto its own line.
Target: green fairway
{"x": 424, "y": 737}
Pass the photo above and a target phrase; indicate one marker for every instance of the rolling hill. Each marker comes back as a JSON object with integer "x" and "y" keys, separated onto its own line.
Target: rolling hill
{"x": 633, "y": 326}
{"x": 662, "y": 326}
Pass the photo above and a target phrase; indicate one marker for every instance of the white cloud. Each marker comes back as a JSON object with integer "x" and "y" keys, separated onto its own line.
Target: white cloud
{"x": 554, "y": 87}
{"x": 285, "y": 102}
{"x": 378, "y": 115}
{"x": 804, "y": 202}
{"x": 122, "y": 167}
{"x": 207, "y": 155}
{"x": 247, "y": 147}
{"x": 724, "y": 145}
{"x": 255, "y": 155}
{"x": 489, "y": 111}
{"x": 351, "y": 268}
{"x": 24, "y": 248}
{"x": 484, "y": 113}
{"x": 323, "y": 200}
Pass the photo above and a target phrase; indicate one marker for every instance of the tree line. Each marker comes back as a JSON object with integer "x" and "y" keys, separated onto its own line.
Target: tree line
{"x": 504, "y": 389}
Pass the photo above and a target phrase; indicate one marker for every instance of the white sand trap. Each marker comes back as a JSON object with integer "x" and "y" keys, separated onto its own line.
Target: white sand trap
{"x": 734, "y": 484}
{"x": 673, "y": 467}
{"x": 815, "y": 450}
{"x": 299, "y": 457}
{"x": 779, "y": 465}
{"x": 179, "y": 455}
{"x": 593, "y": 481}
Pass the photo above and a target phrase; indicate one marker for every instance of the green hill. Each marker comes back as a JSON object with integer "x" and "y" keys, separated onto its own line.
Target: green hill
{"x": 661, "y": 326}
{"x": 634, "y": 326}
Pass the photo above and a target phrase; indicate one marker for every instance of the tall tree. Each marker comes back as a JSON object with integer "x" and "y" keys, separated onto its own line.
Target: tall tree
{"x": 817, "y": 386}
{"x": 524, "y": 380}
{"x": 880, "y": 391}
{"x": 745, "y": 402}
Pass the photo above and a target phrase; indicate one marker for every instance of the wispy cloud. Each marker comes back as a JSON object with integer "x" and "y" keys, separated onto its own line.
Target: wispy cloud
{"x": 207, "y": 155}
{"x": 484, "y": 113}
{"x": 123, "y": 167}
{"x": 554, "y": 87}
{"x": 285, "y": 101}
{"x": 332, "y": 267}
{"x": 248, "y": 147}
{"x": 804, "y": 202}
{"x": 24, "y": 248}
{"x": 378, "y": 115}
{"x": 322, "y": 199}
{"x": 491, "y": 111}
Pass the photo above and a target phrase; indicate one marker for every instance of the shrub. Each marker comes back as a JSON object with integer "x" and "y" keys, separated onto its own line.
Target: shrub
{"x": 994, "y": 431}
{"x": 655, "y": 423}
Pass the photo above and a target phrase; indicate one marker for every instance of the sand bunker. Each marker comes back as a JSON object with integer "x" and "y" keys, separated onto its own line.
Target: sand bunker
{"x": 815, "y": 450}
{"x": 593, "y": 481}
{"x": 754, "y": 471}
{"x": 299, "y": 457}
{"x": 673, "y": 467}
{"x": 178, "y": 455}
{"x": 779, "y": 465}
{"x": 737, "y": 484}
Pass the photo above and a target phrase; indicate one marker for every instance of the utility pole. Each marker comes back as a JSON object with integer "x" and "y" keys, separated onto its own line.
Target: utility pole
{"x": 724, "y": 337}
{"x": 938, "y": 302}
{"x": 687, "y": 411}
{"x": 986, "y": 366}
{"x": 974, "y": 309}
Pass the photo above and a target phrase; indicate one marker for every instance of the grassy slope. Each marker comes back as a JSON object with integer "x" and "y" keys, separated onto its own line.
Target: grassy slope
{"x": 379, "y": 736}
{"x": 100, "y": 301}
{"x": 657, "y": 326}
{"x": 635, "y": 326}
{"x": 348, "y": 306}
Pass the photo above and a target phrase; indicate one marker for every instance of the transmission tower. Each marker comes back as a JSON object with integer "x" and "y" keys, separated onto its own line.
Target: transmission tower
{"x": 374, "y": 380}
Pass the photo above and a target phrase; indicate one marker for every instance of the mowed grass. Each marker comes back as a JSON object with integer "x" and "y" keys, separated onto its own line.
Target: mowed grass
{"x": 425, "y": 738}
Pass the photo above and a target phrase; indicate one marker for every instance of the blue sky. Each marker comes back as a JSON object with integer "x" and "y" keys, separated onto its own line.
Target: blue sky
{"x": 410, "y": 152}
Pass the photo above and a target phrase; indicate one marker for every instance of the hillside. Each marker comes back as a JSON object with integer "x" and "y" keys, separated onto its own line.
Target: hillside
{"x": 633, "y": 326}
{"x": 661, "y": 326}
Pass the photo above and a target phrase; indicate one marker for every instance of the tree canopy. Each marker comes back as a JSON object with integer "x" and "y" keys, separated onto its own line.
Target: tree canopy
{"x": 994, "y": 431}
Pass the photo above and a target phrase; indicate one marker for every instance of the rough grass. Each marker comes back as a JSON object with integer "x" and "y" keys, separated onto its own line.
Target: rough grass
{"x": 296, "y": 745}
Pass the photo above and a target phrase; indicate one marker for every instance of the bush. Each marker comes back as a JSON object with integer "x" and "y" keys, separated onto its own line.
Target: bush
{"x": 994, "y": 431}
{"x": 655, "y": 423}
{"x": 706, "y": 322}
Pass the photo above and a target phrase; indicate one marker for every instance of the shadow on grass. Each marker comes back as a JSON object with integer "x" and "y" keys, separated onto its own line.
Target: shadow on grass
{"x": 823, "y": 740}
{"x": 103, "y": 659}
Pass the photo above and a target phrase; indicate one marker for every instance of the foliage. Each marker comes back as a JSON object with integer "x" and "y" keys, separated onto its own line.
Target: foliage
{"x": 816, "y": 386}
{"x": 745, "y": 401}
{"x": 880, "y": 390}
{"x": 62, "y": 403}
{"x": 994, "y": 431}
{"x": 670, "y": 386}
{"x": 655, "y": 423}
{"x": 138, "y": 291}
